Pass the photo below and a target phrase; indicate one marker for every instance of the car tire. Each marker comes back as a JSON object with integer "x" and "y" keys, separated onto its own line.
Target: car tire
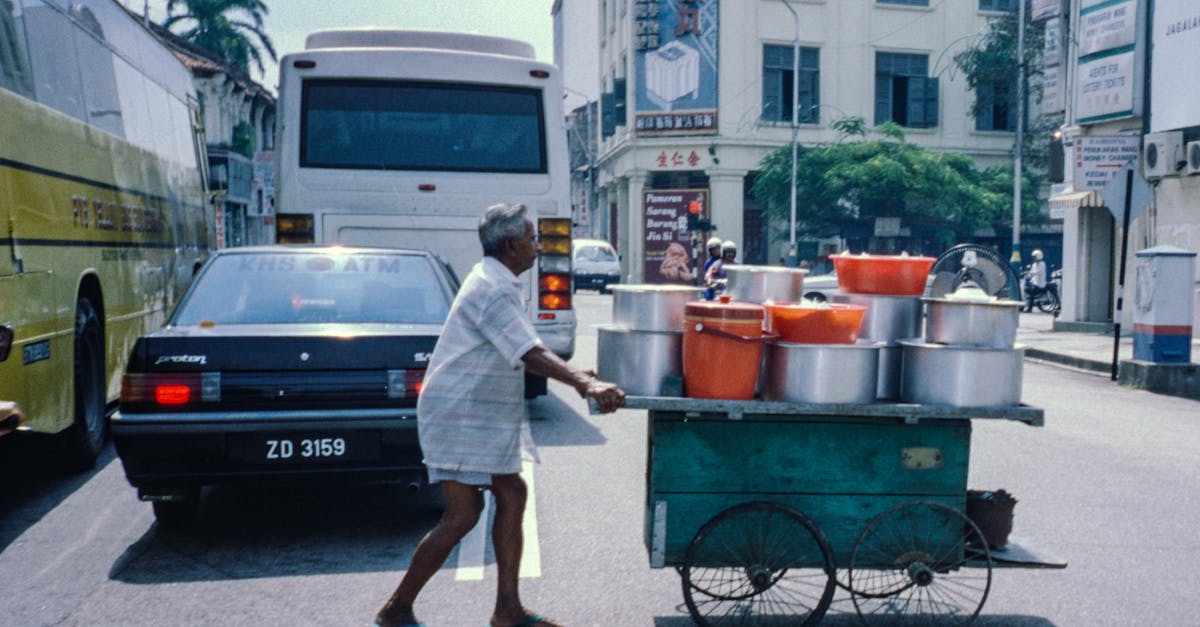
{"x": 82, "y": 441}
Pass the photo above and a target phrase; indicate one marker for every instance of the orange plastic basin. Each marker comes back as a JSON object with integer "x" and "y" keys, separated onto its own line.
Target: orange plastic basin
{"x": 800, "y": 323}
{"x": 894, "y": 275}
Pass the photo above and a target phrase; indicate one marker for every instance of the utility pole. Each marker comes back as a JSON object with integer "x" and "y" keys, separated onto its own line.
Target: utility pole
{"x": 1015, "y": 260}
{"x": 791, "y": 258}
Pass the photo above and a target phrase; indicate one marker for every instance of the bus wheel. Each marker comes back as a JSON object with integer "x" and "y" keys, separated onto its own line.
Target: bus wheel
{"x": 85, "y": 437}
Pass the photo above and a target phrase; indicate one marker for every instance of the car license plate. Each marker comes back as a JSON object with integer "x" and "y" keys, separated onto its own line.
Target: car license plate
{"x": 302, "y": 448}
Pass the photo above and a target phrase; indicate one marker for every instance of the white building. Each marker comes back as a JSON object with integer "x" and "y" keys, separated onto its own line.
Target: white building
{"x": 698, "y": 91}
{"x": 1127, "y": 86}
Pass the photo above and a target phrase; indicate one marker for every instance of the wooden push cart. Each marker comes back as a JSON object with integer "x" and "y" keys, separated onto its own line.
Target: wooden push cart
{"x": 765, "y": 508}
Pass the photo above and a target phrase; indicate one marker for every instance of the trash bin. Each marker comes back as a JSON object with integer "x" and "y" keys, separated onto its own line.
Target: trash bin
{"x": 1162, "y": 313}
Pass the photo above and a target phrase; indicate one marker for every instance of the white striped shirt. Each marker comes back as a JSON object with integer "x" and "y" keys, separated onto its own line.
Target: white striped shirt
{"x": 472, "y": 405}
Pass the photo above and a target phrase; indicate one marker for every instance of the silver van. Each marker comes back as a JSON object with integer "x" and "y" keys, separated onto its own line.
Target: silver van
{"x": 596, "y": 264}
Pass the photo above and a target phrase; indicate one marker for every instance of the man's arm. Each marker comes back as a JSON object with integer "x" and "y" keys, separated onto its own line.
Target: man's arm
{"x": 541, "y": 360}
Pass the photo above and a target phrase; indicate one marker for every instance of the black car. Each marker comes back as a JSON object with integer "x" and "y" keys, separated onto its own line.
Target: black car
{"x": 284, "y": 363}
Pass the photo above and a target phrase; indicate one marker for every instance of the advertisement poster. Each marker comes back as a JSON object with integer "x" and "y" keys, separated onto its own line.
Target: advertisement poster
{"x": 669, "y": 254}
{"x": 676, "y": 59}
{"x": 1174, "y": 91}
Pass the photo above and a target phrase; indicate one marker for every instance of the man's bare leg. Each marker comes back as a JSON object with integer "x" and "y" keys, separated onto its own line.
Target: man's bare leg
{"x": 463, "y": 505}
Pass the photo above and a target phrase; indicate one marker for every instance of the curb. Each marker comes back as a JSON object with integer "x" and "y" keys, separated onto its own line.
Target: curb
{"x": 1092, "y": 365}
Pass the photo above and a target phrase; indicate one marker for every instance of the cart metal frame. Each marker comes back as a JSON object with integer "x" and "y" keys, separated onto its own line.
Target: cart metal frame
{"x": 756, "y": 499}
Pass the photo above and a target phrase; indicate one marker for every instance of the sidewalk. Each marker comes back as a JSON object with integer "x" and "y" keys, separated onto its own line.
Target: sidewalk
{"x": 1094, "y": 352}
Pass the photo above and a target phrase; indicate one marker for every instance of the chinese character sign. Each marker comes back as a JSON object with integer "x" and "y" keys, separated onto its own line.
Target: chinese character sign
{"x": 668, "y": 242}
{"x": 676, "y": 91}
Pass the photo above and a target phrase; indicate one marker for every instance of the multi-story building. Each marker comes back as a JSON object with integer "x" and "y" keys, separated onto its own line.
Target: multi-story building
{"x": 1129, "y": 105}
{"x": 696, "y": 92}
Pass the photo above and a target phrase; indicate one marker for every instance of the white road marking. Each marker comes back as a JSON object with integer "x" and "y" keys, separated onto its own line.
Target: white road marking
{"x": 472, "y": 550}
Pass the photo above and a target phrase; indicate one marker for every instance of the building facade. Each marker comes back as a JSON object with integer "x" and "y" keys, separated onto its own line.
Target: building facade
{"x": 1129, "y": 108}
{"x": 694, "y": 93}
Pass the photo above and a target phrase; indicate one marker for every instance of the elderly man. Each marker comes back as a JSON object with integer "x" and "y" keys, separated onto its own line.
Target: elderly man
{"x": 471, "y": 412}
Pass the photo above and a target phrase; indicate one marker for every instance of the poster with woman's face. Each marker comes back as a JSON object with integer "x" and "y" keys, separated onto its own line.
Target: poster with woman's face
{"x": 669, "y": 254}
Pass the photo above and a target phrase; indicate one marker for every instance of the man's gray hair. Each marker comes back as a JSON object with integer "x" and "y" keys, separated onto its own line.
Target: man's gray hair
{"x": 499, "y": 224}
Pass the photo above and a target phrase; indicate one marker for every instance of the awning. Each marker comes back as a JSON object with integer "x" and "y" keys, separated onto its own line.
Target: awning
{"x": 1075, "y": 200}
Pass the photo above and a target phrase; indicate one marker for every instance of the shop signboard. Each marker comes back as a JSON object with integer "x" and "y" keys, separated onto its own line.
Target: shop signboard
{"x": 676, "y": 65}
{"x": 670, "y": 254}
{"x": 1098, "y": 158}
{"x": 1043, "y": 9}
{"x": 1173, "y": 90}
{"x": 1104, "y": 86}
{"x": 1106, "y": 26}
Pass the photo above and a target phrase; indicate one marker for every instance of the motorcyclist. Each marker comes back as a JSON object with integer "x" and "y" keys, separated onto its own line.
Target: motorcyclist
{"x": 714, "y": 277}
{"x": 1035, "y": 279}
{"x": 714, "y": 254}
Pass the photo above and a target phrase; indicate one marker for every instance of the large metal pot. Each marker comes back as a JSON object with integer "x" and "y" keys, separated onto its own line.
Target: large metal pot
{"x": 962, "y": 376}
{"x": 638, "y": 360}
{"x": 822, "y": 373}
{"x": 890, "y": 365}
{"x": 966, "y": 322}
{"x": 651, "y": 307}
{"x": 888, "y": 318}
{"x": 758, "y": 284}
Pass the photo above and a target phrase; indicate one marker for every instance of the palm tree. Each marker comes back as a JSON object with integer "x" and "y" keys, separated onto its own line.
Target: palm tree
{"x": 232, "y": 30}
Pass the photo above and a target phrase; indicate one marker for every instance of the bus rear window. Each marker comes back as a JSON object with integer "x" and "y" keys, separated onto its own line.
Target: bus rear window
{"x": 421, "y": 126}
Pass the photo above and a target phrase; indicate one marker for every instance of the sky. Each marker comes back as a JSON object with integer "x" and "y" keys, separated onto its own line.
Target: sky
{"x": 289, "y": 21}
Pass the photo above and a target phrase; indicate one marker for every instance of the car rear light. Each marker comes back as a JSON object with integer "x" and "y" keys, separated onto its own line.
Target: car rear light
{"x": 6, "y": 340}
{"x": 171, "y": 389}
{"x": 405, "y": 383}
{"x": 294, "y": 228}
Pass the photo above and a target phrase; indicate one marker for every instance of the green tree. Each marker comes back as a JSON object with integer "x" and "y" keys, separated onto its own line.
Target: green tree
{"x": 232, "y": 30}
{"x": 992, "y": 62}
{"x": 859, "y": 179}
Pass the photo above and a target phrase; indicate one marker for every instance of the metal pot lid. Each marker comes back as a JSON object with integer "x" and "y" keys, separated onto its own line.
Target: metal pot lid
{"x": 724, "y": 310}
{"x": 653, "y": 288}
{"x": 747, "y": 269}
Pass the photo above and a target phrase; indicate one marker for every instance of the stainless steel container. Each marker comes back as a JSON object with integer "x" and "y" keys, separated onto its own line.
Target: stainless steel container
{"x": 890, "y": 361}
{"x": 888, "y": 318}
{"x": 758, "y": 284}
{"x": 822, "y": 373}
{"x": 962, "y": 376}
{"x": 651, "y": 307}
{"x": 962, "y": 322}
{"x": 638, "y": 360}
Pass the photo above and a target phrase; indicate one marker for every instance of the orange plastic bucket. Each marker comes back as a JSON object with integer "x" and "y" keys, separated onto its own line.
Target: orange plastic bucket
{"x": 722, "y": 349}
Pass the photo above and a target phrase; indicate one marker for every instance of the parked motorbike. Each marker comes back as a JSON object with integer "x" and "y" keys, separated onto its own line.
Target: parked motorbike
{"x": 1046, "y": 298}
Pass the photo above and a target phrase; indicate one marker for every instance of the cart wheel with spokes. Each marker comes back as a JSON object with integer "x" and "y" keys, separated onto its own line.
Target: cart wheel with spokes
{"x": 758, "y": 563}
{"x": 918, "y": 561}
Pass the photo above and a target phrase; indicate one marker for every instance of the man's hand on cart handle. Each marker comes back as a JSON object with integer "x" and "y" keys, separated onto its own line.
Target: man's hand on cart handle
{"x": 607, "y": 395}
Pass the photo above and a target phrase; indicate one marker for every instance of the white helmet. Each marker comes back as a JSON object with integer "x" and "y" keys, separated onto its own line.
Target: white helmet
{"x": 1037, "y": 254}
{"x": 728, "y": 247}
{"x": 713, "y": 242}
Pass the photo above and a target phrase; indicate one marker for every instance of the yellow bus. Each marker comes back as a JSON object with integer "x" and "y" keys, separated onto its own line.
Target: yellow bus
{"x": 103, "y": 218}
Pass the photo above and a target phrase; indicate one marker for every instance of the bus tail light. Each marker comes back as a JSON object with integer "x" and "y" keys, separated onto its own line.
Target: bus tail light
{"x": 171, "y": 389}
{"x": 294, "y": 228}
{"x": 554, "y": 265}
{"x": 554, "y": 291}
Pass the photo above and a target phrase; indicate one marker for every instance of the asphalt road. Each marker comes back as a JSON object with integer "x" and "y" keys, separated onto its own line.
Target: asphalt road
{"x": 1109, "y": 485}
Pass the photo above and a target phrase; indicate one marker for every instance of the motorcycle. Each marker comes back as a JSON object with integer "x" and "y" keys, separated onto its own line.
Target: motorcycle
{"x": 1046, "y": 298}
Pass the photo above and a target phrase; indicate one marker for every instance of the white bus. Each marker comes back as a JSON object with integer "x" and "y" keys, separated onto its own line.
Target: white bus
{"x": 402, "y": 138}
